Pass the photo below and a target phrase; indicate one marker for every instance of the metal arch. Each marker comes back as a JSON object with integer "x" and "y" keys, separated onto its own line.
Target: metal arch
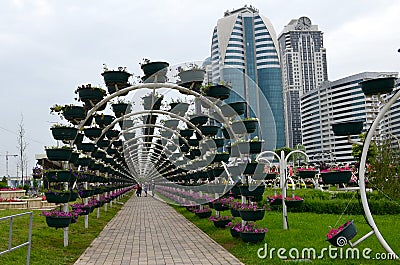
{"x": 297, "y": 151}
{"x": 361, "y": 173}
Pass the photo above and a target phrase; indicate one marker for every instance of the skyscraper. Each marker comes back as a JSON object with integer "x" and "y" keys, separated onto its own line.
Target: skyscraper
{"x": 244, "y": 53}
{"x": 304, "y": 67}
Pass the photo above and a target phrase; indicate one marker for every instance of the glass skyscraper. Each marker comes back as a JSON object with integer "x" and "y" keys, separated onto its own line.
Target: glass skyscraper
{"x": 244, "y": 53}
{"x": 304, "y": 68}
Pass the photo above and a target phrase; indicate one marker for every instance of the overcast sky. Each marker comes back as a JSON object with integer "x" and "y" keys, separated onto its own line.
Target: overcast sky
{"x": 49, "y": 47}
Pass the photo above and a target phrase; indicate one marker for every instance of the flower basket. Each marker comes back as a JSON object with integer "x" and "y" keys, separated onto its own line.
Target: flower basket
{"x": 336, "y": 177}
{"x": 103, "y": 120}
{"x": 86, "y": 193}
{"x": 252, "y": 215}
{"x": 271, "y": 176}
{"x": 378, "y": 86}
{"x": 234, "y": 233}
{"x": 120, "y": 108}
{"x": 186, "y": 133}
{"x": 59, "y": 154}
{"x": 199, "y": 120}
{"x": 252, "y": 237}
{"x": 74, "y": 113}
{"x": 60, "y": 176}
{"x": 209, "y": 130}
{"x": 307, "y": 173}
{"x": 245, "y": 126}
{"x": 222, "y": 223}
{"x": 86, "y": 147}
{"x": 341, "y": 236}
{"x": 219, "y": 206}
{"x": 103, "y": 143}
{"x": 232, "y": 109}
{"x": 191, "y": 76}
{"x": 218, "y": 91}
{"x": 179, "y": 108}
{"x": 347, "y": 128}
{"x": 152, "y": 68}
{"x": 58, "y": 221}
{"x": 204, "y": 214}
{"x": 89, "y": 93}
{"x": 92, "y": 132}
{"x": 221, "y": 157}
{"x": 112, "y": 134}
{"x": 152, "y": 103}
{"x": 244, "y": 191}
{"x": 293, "y": 203}
{"x": 58, "y": 197}
{"x": 64, "y": 133}
{"x": 235, "y": 212}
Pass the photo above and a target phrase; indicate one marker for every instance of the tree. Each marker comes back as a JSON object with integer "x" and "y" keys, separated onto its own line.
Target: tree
{"x": 357, "y": 150}
{"x": 21, "y": 146}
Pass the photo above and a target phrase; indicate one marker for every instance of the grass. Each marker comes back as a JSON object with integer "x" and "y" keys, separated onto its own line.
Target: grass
{"x": 306, "y": 230}
{"x": 48, "y": 243}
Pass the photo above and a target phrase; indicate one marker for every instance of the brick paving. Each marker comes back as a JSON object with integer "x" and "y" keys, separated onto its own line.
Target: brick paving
{"x": 149, "y": 231}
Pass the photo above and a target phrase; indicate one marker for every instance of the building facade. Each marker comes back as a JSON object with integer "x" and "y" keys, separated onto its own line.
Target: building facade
{"x": 304, "y": 68}
{"x": 244, "y": 52}
{"x": 334, "y": 102}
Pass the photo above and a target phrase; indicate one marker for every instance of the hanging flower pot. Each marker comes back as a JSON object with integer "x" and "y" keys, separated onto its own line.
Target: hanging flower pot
{"x": 59, "y": 221}
{"x": 79, "y": 138}
{"x": 171, "y": 124}
{"x": 245, "y": 190}
{"x": 58, "y": 196}
{"x": 348, "y": 128}
{"x": 252, "y": 237}
{"x": 179, "y": 108}
{"x": 87, "y": 147}
{"x": 306, "y": 173}
{"x": 221, "y": 221}
{"x": 233, "y": 109}
{"x": 152, "y": 102}
{"x": 221, "y": 157}
{"x": 103, "y": 120}
{"x": 151, "y": 68}
{"x": 192, "y": 78}
{"x": 220, "y": 92}
{"x": 378, "y": 86}
{"x": 74, "y": 114}
{"x": 198, "y": 120}
{"x": 295, "y": 202}
{"x": 271, "y": 176}
{"x": 209, "y": 130}
{"x": 59, "y": 153}
{"x": 92, "y": 132}
{"x": 219, "y": 142}
{"x": 103, "y": 143}
{"x": 84, "y": 161}
{"x": 186, "y": 133}
{"x": 112, "y": 134}
{"x": 59, "y": 176}
{"x": 245, "y": 126}
{"x": 115, "y": 79}
{"x": 206, "y": 213}
{"x": 87, "y": 93}
{"x": 64, "y": 133}
{"x": 336, "y": 177}
{"x": 251, "y": 214}
{"x": 120, "y": 109}
{"x": 341, "y": 236}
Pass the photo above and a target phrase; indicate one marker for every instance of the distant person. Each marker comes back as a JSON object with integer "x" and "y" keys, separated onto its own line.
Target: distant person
{"x": 138, "y": 190}
{"x": 145, "y": 190}
{"x": 153, "y": 187}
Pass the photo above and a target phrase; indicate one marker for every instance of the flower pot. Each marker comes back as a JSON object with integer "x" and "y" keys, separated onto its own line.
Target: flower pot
{"x": 103, "y": 120}
{"x": 336, "y": 177}
{"x": 271, "y": 176}
{"x": 244, "y": 126}
{"x": 60, "y": 176}
{"x": 74, "y": 114}
{"x": 186, "y": 133}
{"x": 307, "y": 173}
{"x": 112, "y": 134}
{"x": 58, "y": 221}
{"x": 58, "y": 197}
{"x": 93, "y": 94}
{"x": 92, "y": 132}
{"x": 79, "y": 138}
{"x": 103, "y": 143}
{"x": 74, "y": 196}
{"x": 252, "y": 237}
{"x": 293, "y": 203}
{"x": 64, "y": 133}
{"x": 86, "y": 147}
{"x": 234, "y": 233}
{"x": 86, "y": 193}
{"x": 218, "y": 91}
{"x": 199, "y": 120}
{"x": 219, "y": 207}
{"x": 206, "y": 214}
{"x": 209, "y": 130}
{"x": 378, "y": 86}
{"x": 244, "y": 191}
{"x": 251, "y": 215}
{"x": 150, "y": 102}
{"x": 152, "y": 68}
{"x": 171, "y": 124}
{"x": 59, "y": 154}
{"x": 233, "y": 109}
{"x": 191, "y": 76}
{"x": 179, "y": 108}
{"x": 221, "y": 157}
{"x": 342, "y": 237}
{"x": 235, "y": 212}
{"x": 113, "y": 77}
{"x": 120, "y": 109}
{"x": 347, "y": 128}
{"x": 222, "y": 223}
{"x": 219, "y": 142}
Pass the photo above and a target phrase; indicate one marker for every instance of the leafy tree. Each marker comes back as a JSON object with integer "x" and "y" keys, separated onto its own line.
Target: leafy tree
{"x": 357, "y": 150}
{"x": 285, "y": 149}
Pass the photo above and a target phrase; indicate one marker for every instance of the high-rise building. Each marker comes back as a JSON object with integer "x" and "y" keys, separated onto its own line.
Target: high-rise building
{"x": 244, "y": 52}
{"x": 304, "y": 67}
{"x": 334, "y": 102}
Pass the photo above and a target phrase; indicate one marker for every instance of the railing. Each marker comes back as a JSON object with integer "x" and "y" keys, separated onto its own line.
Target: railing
{"x": 10, "y": 234}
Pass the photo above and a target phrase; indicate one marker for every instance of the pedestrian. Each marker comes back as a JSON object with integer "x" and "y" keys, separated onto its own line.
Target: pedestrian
{"x": 138, "y": 190}
{"x": 153, "y": 187}
{"x": 145, "y": 190}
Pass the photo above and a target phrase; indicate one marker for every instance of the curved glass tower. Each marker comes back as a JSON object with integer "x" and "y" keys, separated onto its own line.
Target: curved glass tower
{"x": 244, "y": 53}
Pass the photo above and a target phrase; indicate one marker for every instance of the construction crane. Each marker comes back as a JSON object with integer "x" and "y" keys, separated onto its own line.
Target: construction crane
{"x": 7, "y": 155}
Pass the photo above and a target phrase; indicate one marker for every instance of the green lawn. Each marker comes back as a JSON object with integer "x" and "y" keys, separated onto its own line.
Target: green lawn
{"x": 48, "y": 243}
{"x": 306, "y": 230}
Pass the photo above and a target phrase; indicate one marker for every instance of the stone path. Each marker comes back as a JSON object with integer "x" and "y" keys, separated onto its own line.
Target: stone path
{"x": 149, "y": 231}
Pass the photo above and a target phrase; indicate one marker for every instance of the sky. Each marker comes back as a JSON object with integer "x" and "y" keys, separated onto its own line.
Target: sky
{"x": 50, "y": 47}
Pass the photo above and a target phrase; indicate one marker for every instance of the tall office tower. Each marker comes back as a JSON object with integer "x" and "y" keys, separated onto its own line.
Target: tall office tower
{"x": 303, "y": 61}
{"x": 244, "y": 53}
{"x": 334, "y": 102}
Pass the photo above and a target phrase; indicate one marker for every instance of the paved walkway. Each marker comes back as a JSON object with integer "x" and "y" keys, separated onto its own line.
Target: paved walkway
{"x": 148, "y": 231}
